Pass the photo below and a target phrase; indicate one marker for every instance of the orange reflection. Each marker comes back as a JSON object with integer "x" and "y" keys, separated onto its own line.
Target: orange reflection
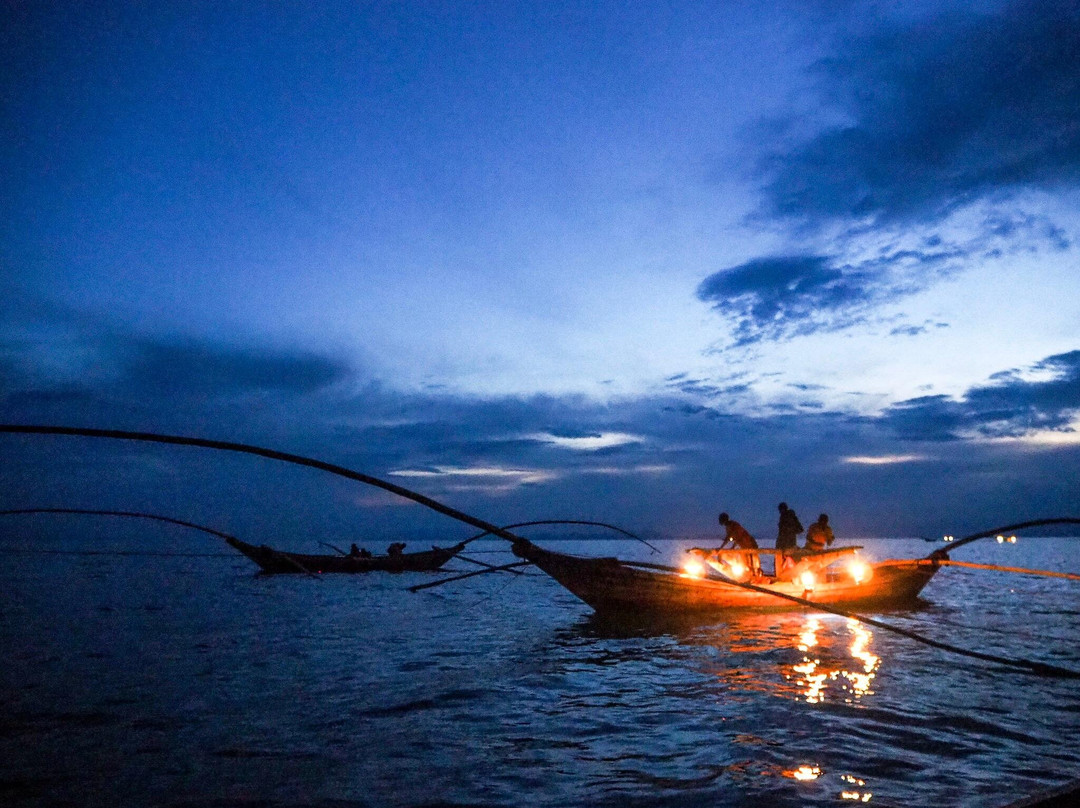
{"x": 804, "y": 773}
{"x": 850, "y": 793}
{"x": 825, "y": 670}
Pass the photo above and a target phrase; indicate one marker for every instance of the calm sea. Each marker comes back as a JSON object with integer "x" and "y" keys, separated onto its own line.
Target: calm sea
{"x": 189, "y": 681}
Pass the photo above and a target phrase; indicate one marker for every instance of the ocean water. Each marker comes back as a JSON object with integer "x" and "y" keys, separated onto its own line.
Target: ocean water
{"x": 190, "y": 681}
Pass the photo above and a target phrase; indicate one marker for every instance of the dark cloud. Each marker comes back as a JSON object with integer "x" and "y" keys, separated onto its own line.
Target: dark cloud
{"x": 938, "y": 114}
{"x": 199, "y": 368}
{"x": 781, "y": 296}
{"x": 796, "y": 295}
{"x": 1009, "y": 406}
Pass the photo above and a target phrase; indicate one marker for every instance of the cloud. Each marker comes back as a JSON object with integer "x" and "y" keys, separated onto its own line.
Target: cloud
{"x": 1044, "y": 397}
{"x": 938, "y": 114}
{"x": 883, "y": 460}
{"x": 587, "y": 443}
{"x": 189, "y": 367}
{"x": 916, "y": 330}
{"x": 783, "y": 297}
{"x": 488, "y": 479}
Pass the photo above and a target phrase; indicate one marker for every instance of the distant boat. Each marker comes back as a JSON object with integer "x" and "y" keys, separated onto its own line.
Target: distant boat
{"x": 611, "y": 586}
{"x": 278, "y": 561}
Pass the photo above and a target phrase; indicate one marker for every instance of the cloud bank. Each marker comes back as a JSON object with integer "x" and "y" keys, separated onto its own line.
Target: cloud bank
{"x": 662, "y": 462}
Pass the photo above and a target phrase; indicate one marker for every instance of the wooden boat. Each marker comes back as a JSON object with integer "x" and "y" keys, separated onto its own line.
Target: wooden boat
{"x": 612, "y": 586}
{"x": 277, "y": 561}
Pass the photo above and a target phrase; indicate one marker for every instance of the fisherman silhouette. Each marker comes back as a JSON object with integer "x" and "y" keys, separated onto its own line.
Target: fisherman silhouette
{"x": 741, "y": 538}
{"x": 819, "y": 535}
{"x": 788, "y": 528}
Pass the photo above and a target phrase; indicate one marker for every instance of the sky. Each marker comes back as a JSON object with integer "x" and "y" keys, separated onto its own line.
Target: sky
{"x": 630, "y": 262}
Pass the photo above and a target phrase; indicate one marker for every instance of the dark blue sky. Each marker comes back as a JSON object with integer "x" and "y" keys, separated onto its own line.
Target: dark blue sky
{"x": 627, "y": 262}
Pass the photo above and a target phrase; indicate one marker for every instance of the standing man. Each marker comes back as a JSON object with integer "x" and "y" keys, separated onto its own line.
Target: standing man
{"x": 788, "y": 529}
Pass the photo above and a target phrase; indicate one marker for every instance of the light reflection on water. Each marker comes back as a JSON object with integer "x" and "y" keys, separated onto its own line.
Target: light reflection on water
{"x": 822, "y": 668}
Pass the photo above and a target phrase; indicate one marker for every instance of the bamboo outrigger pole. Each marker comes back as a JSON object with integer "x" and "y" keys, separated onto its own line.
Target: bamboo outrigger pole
{"x": 244, "y": 448}
{"x": 154, "y": 516}
{"x": 134, "y": 514}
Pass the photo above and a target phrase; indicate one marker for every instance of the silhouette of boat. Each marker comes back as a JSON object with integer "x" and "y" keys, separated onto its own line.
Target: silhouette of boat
{"x": 279, "y": 561}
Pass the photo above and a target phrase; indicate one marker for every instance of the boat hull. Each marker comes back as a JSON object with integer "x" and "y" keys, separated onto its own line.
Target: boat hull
{"x": 609, "y": 586}
{"x": 277, "y": 562}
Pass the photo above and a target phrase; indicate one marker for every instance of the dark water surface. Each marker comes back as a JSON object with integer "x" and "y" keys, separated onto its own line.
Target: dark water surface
{"x": 189, "y": 681}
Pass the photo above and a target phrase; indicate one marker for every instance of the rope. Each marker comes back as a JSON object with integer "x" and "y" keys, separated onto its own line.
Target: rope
{"x": 333, "y": 547}
{"x": 948, "y": 562}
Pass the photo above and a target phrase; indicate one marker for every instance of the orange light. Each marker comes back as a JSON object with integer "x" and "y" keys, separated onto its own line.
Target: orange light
{"x": 694, "y": 568}
{"x": 860, "y": 571}
{"x": 737, "y": 569}
{"x": 807, "y": 579}
{"x": 804, "y": 773}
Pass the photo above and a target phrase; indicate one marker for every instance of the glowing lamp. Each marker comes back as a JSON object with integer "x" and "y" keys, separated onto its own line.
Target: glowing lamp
{"x": 694, "y": 568}
{"x": 860, "y": 571}
{"x": 1000, "y": 539}
{"x": 737, "y": 569}
{"x": 1011, "y": 539}
{"x": 807, "y": 580}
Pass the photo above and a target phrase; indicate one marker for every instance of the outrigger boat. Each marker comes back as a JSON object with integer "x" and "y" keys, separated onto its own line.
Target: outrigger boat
{"x": 722, "y": 580}
{"x": 278, "y": 561}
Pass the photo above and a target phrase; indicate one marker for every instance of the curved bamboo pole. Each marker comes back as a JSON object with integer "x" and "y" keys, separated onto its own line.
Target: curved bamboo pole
{"x": 136, "y": 514}
{"x": 244, "y": 448}
{"x": 154, "y": 516}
